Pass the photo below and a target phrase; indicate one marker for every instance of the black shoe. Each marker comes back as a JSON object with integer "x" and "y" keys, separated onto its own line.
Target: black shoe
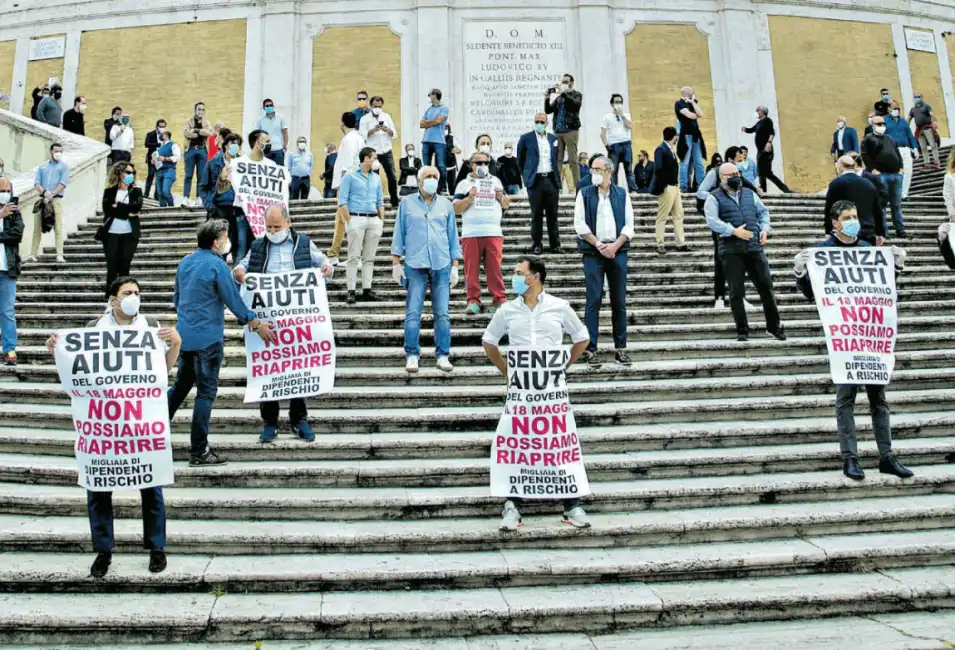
{"x": 779, "y": 335}
{"x": 101, "y": 565}
{"x": 157, "y": 561}
{"x": 902, "y": 235}
{"x": 742, "y": 338}
{"x": 661, "y": 249}
{"x": 683, "y": 248}
{"x": 622, "y": 358}
{"x": 590, "y": 358}
{"x": 850, "y": 468}
{"x": 367, "y": 295}
{"x": 557, "y": 250}
{"x": 350, "y": 299}
{"x": 208, "y": 458}
{"x": 889, "y": 464}
{"x": 535, "y": 250}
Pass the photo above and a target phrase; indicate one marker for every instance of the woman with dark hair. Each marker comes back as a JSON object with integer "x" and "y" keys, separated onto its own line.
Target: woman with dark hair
{"x": 482, "y": 144}
{"x": 715, "y": 162}
{"x": 122, "y": 201}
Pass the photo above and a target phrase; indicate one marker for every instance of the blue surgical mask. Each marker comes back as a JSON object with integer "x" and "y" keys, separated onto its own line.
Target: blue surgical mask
{"x": 851, "y": 228}
{"x": 233, "y": 149}
{"x": 519, "y": 284}
{"x": 430, "y": 185}
{"x": 128, "y": 179}
{"x": 918, "y": 100}
{"x": 540, "y": 128}
{"x": 269, "y": 110}
{"x": 885, "y": 98}
{"x": 734, "y": 183}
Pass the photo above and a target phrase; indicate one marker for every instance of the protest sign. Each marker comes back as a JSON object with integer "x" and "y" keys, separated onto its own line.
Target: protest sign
{"x": 117, "y": 380}
{"x": 486, "y": 194}
{"x": 536, "y": 452}
{"x": 301, "y": 361}
{"x": 856, "y": 296}
{"x": 257, "y": 185}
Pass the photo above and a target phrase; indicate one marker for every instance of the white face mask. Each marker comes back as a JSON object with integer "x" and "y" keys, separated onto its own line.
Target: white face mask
{"x": 895, "y": 112}
{"x": 278, "y": 237}
{"x": 410, "y": 153}
{"x": 617, "y": 106}
{"x": 4, "y": 196}
{"x": 82, "y": 107}
{"x": 130, "y": 305}
{"x": 597, "y": 178}
{"x": 57, "y": 156}
{"x": 225, "y": 249}
{"x": 879, "y": 130}
{"x": 301, "y": 146}
{"x": 376, "y": 111}
{"x": 564, "y": 87}
{"x": 485, "y": 148}
{"x": 508, "y": 151}
{"x": 375, "y": 166}
{"x": 841, "y": 125}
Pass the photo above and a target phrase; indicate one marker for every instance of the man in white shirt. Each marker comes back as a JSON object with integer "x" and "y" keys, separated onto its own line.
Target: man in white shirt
{"x": 535, "y": 318}
{"x": 603, "y": 221}
{"x": 346, "y": 162}
{"x": 378, "y": 130}
{"x": 616, "y": 136}
{"x": 122, "y": 138}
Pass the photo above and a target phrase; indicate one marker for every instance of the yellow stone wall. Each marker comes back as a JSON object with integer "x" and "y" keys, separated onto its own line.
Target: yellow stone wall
{"x": 816, "y": 82}
{"x": 161, "y": 72}
{"x": 661, "y": 59}
{"x": 926, "y": 78}
{"x": 344, "y": 61}
{"x": 8, "y": 51}
{"x": 38, "y": 73}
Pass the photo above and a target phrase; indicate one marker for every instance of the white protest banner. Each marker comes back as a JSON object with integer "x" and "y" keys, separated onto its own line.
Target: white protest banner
{"x": 486, "y": 194}
{"x": 257, "y": 185}
{"x": 536, "y": 452}
{"x": 301, "y": 361}
{"x": 856, "y": 296}
{"x": 117, "y": 380}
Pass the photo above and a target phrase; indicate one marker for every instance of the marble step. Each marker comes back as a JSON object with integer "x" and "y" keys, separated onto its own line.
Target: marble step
{"x": 154, "y": 618}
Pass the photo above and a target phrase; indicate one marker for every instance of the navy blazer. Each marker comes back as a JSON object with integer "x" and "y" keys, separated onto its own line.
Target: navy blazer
{"x": 528, "y": 158}
{"x": 850, "y": 141}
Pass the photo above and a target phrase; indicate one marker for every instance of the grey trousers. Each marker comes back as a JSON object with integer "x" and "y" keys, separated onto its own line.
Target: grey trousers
{"x": 845, "y": 418}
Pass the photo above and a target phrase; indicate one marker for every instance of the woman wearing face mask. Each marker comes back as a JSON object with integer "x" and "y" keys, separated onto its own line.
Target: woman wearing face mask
{"x": 122, "y": 201}
{"x": 409, "y": 164}
{"x": 165, "y": 159}
{"x": 482, "y": 144}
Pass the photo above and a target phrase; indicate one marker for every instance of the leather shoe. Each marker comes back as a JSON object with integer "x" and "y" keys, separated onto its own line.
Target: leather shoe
{"x": 557, "y": 250}
{"x": 889, "y": 464}
{"x": 535, "y": 250}
{"x": 101, "y": 564}
{"x": 157, "y": 561}
{"x": 851, "y": 469}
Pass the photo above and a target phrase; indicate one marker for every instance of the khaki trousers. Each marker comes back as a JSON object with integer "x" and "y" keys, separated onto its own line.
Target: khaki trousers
{"x": 363, "y": 236}
{"x": 926, "y": 144}
{"x": 338, "y": 235}
{"x": 57, "y": 228}
{"x": 567, "y": 143}
{"x": 670, "y": 205}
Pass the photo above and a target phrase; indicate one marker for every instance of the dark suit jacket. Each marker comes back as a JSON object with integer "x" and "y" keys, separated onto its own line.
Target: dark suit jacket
{"x": 850, "y": 187}
{"x": 528, "y": 157}
{"x": 850, "y": 141}
{"x": 666, "y": 169}
{"x": 152, "y": 143}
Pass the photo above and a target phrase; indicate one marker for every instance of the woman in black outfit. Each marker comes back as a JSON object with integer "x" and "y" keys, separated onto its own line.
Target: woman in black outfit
{"x": 122, "y": 201}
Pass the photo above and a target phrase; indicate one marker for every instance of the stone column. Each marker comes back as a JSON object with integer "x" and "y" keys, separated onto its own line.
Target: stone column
{"x": 948, "y": 88}
{"x": 432, "y": 25}
{"x": 599, "y": 72}
{"x": 279, "y": 71}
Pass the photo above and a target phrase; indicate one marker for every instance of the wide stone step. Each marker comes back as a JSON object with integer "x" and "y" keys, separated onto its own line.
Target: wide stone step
{"x": 152, "y": 618}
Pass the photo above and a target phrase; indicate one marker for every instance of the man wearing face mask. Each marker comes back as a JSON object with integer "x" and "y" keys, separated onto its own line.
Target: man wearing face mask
{"x": 49, "y": 110}
{"x": 219, "y": 194}
{"x": 898, "y": 129}
{"x": 742, "y": 221}
{"x": 123, "y": 139}
{"x": 845, "y": 231}
{"x": 564, "y": 103}
{"x": 361, "y": 206}
{"x": 616, "y": 135}
{"x": 434, "y": 150}
{"x": 123, "y": 311}
{"x": 666, "y": 177}
{"x": 11, "y": 234}
{"x": 196, "y": 130}
{"x": 204, "y": 287}
{"x": 410, "y": 165}
{"x": 282, "y": 249}
{"x": 603, "y": 220}
{"x": 378, "y": 130}
{"x": 850, "y": 186}
{"x": 643, "y": 172}
{"x": 844, "y": 139}
{"x": 538, "y": 159}
{"x": 346, "y": 162}
{"x": 361, "y": 99}
{"x": 482, "y": 144}
{"x": 535, "y": 318}
{"x": 273, "y": 124}
{"x": 509, "y": 172}
{"x": 926, "y": 130}
{"x": 884, "y": 97}
{"x": 331, "y": 156}
{"x": 165, "y": 159}
{"x": 426, "y": 235}
{"x": 765, "y": 149}
{"x": 480, "y": 200}
{"x": 73, "y": 118}
{"x": 300, "y": 165}
{"x": 50, "y": 182}
{"x": 881, "y": 154}
{"x": 153, "y": 142}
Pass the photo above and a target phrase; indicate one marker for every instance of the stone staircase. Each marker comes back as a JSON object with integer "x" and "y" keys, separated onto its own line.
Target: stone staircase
{"x": 928, "y": 182}
{"x": 720, "y": 514}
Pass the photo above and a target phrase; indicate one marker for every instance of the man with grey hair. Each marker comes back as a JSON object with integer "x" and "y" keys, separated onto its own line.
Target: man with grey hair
{"x": 282, "y": 249}
{"x": 603, "y": 220}
{"x": 765, "y": 134}
{"x": 204, "y": 287}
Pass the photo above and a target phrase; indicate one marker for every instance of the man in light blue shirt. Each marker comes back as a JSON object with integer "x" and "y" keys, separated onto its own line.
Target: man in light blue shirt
{"x": 432, "y": 142}
{"x": 50, "y": 181}
{"x": 274, "y": 124}
{"x": 361, "y": 205}
{"x": 426, "y": 234}
{"x": 300, "y": 165}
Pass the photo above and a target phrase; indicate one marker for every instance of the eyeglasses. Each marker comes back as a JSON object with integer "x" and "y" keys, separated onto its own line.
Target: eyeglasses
{"x": 540, "y": 121}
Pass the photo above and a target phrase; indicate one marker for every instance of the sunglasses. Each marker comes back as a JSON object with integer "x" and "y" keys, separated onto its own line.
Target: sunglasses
{"x": 481, "y": 163}
{"x": 537, "y": 122}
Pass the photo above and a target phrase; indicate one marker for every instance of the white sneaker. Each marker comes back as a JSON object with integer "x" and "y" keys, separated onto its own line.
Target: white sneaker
{"x": 411, "y": 365}
{"x": 748, "y": 305}
{"x": 445, "y": 364}
{"x": 577, "y": 518}
{"x": 719, "y": 304}
{"x": 29, "y": 258}
{"x": 510, "y": 517}
{"x": 60, "y": 259}
{"x": 334, "y": 261}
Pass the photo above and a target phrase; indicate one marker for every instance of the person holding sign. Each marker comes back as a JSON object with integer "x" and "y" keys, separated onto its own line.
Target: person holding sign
{"x": 123, "y": 312}
{"x": 845, "y": 234}
{"x": 204, "y": 287}
{"x": 426, "y": 235}
{"x": 535, "y": 319}
{"x": 281, "y": 250}
{"x": 361, "y": 205}
{"x": 737, "y": 215}
{"x": 480, "y": 200}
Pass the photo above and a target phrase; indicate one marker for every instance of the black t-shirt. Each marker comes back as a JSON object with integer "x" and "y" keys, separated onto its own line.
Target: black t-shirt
{"x": 687, "y": 126}
{"x": 763, "y": 130}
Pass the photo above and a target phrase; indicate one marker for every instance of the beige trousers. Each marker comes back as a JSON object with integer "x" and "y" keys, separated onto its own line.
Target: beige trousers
{"x": 670, "y": 205}
{"x": 363, "y": 235}
{"x": 57, "y": 228}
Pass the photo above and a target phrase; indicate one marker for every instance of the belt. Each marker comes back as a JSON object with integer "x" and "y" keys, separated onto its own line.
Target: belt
{"x": 544, "y": 174}
{"x": 364, "y": 214}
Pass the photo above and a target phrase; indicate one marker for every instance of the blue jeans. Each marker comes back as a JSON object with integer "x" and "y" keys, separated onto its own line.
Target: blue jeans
{"x": 164, "y": 181}
{"x": 513, "y": 189}
{"x": 243, "y": 234}
{"x": 195, "y": 158}
{"x": 8, "y": 320}
{"x": 694, "y": 154}
{"x": 622, "y": 154}
{"x": 418, "y": 280}
{"x": 596, "y": 267}
{"x": 299, "y": 187}
{"x": 893, "y": 183}
{"x": 440, "y": 153}
{"x": 199, "y": 368}
{"x": 278, "y": 157}
{"x": 100, "y": 506}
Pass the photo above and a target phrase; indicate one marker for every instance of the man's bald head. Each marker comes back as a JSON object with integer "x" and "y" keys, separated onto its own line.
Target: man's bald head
{"x": 847, "y": 163}
{"x": 5, "y": 185}
{"x": 277, "y": 218}
{"x": 728, "y": 170}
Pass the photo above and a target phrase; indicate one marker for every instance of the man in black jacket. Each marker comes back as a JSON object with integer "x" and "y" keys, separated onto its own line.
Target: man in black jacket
{"x": 849, "y": 186}
{"x": 881, "y": 154}
{"x": 666, "y": 187}
{"x": 765, "y": 149}
{"x": 73, "y": 118}
{"x": 11, "y": 233}
{"x": 643, "y": 172}
{"x": 331, "y": 156}
{"x": 509, "y": 171}
{"x": 153, "y": 142}
{"x": 564, "y": 103}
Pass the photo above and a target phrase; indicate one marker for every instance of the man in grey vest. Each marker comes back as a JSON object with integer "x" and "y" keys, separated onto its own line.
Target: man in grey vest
{"x": 282, "y": 249}
{"x": 741, "y": 220}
